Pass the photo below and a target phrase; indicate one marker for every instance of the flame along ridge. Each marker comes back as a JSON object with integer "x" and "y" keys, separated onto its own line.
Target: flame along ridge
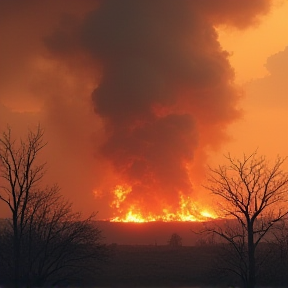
{"x": 188, "y": 210}
{"x": 204, "y": 215}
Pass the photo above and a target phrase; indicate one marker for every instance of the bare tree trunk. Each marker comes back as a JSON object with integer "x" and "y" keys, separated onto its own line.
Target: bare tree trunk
{"x": 251, "y": 257}
{"x": 16, "y": 244}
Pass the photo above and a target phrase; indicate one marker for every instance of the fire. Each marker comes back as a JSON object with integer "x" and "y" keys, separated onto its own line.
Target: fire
{"x": 120, "y": 193}
{"x": 133, "y": 217}
{"x": 187, "y": 210}
{"x": 207, "y": 214}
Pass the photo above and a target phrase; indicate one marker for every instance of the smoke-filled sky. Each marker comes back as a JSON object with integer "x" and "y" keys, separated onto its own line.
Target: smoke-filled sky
{"x": 144, "y": 93}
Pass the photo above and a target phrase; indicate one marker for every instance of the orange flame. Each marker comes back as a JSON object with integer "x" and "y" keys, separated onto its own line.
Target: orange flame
{"x": 120, "y": 193}
{"x": 187, "y": 211}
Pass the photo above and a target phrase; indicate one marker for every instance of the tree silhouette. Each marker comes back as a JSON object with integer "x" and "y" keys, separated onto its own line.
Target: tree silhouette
{"x": 20, "y": 174}
{"x": 44, "y": 242}
{"x": 254, "y": 193}
{"x": 175, "y": 240}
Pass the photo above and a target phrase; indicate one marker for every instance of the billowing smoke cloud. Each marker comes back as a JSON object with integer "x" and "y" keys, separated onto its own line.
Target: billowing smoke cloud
{"x": 163, "y": 86}
{"x": 166, "y": 89}
{"x": 164, "y": 75}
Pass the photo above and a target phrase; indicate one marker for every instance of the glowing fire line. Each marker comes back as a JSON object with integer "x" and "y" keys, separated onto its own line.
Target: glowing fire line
{"x": 188, "y": 210}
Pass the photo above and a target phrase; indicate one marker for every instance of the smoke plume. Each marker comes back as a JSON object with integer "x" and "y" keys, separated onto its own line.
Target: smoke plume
{"x": 166, "y": 90}
{"x": 163, "y": 87}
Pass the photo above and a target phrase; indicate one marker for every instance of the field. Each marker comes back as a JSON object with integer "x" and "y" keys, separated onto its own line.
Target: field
{"x": 141, "y": 256}
{"x": 148, "y": 265}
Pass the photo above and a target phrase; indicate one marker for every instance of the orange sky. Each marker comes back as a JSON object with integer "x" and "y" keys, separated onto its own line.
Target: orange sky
{"x": 260, "y": 61}
{"x": 54, "y": 88}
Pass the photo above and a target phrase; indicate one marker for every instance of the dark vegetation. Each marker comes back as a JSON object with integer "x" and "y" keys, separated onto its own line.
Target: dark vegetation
{"x": 69, "y": 255}
{"x": 43, "y": 242}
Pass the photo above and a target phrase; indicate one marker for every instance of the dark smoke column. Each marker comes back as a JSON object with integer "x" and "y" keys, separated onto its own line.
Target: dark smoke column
{"x": 166, "y": 90}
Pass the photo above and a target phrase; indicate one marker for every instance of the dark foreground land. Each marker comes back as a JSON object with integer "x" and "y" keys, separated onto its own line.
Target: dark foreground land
{"x": 166, "y": 266}
{"x": 143, "y": 258}
{"x": 157, "y": 264}
{"x": 148, "y": 265}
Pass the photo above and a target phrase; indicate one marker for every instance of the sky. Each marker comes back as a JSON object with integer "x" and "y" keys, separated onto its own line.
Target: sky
{"x": 259, "y": 56}
{"x": 143, "y": 95}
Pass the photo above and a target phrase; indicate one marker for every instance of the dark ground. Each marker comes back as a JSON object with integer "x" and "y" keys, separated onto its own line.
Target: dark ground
{"x": 142, "y": 257}
{"x": 158, "y": 266}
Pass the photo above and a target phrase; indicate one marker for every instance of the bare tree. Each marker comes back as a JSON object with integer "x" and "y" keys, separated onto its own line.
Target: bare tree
{"x": 57, "y": 245}
{"x": 44, "y": 242}
{"x": 20, "y": 174}
{"x": 254, "y": 193}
